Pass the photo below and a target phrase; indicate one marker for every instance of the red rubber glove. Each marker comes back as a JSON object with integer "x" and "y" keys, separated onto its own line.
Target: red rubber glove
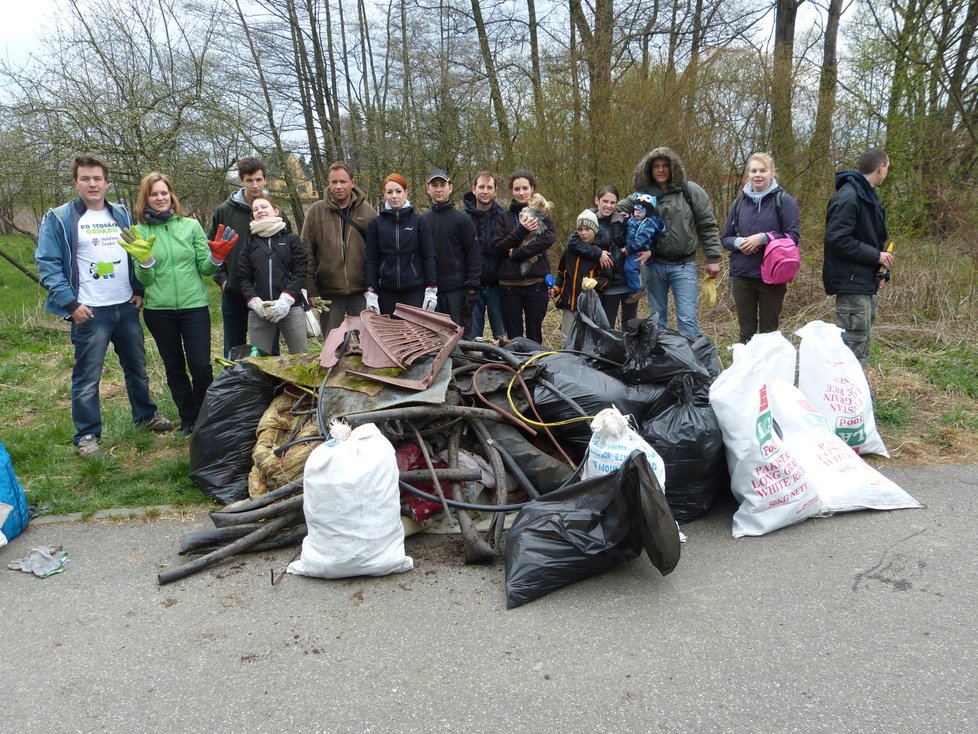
{"x": 224, "y": 239}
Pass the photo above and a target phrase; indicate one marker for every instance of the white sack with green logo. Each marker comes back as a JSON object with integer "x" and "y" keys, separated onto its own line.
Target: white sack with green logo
{"x": 843, "y": 480}
{"x": 766, "y": 476}
{"x": 829, "y": 375}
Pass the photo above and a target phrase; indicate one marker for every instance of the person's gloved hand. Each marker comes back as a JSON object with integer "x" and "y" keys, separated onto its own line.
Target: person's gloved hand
{"x": 372, "y": 303}
{"x": 430, "y": 298}
{"x": 258, "y": 306}
{"x": 224, "y": 239}
{"x": 280, "y": 308}
{"x": 132, "y": 242}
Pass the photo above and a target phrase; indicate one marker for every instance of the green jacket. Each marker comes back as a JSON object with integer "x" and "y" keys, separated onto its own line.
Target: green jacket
{"x": 182, "y": 257}
{"x": 691, "y": 224}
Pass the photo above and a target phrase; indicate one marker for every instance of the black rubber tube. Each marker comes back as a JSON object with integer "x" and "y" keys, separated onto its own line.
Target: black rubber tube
{"x": 225, "y": 519}
{"x": 266, "y": 499}
{"x": 266, "y": 531}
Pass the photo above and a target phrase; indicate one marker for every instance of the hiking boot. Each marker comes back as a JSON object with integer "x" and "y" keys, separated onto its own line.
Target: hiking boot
{"x": 159, "y": 424}
{"x": 88, "y": 447}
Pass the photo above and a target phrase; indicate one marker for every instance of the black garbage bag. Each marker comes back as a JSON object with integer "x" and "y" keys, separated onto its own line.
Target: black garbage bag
{"x": 687, "y": 437}
{"x": 590, "y": 331}
{"x": 706, "y": 352}
{"x": 579, "y": 378}
{"x": 224, "y": 437}
{"x": 587, "y": 528}
{"x": 657, "y": 355}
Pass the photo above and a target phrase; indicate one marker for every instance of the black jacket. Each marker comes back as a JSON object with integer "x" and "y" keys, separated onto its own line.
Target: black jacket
{"x": 485, "y": 227}
{"x": 400, "y": 251}
{"x": 855, "y": 234}
{"x": 458, "y": 262}
{"x": 509, "y": 236}
{"x": 234, "y": 212}
{"x": 579, "y": 261}
{"x": 269, "y": 266}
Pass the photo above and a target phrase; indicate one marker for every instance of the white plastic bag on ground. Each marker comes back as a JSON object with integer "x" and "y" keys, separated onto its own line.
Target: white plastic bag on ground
{"x": 829, "y": 375}
{"x": 613, "y": 441}
{"x": 352, "y": 507}
{"x": 766, "y": 476}
{"x": 844, "y": 481}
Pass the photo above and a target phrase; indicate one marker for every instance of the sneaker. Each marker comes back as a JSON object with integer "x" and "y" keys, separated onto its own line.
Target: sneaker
{"x": 88, "y": 447}
{"x": 633, "y": 297}
{"x": 159, "y": 424}
{"x": 185, "y": 429}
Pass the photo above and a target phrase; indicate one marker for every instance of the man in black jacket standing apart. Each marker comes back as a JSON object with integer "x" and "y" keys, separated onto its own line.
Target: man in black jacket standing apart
{"x": 457, "y": 255}
{"x": 855, "y": 249}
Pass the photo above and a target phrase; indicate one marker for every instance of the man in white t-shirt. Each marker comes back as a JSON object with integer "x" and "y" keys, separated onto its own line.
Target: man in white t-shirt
{"x": 90, "y": 283}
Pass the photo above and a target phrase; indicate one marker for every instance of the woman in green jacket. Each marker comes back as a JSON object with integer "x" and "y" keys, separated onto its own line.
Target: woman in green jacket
{"x": 176, "y": 300}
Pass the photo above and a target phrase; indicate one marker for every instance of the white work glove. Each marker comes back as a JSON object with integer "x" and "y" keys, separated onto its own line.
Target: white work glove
{"x": 258, "y": 306}
{"x": 280, "y": 308}
{"x": 372, "y": 303}
{"x": 430, "y": 299}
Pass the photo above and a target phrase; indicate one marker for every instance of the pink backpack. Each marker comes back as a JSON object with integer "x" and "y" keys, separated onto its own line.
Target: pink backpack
{"x": 781, "y": 260}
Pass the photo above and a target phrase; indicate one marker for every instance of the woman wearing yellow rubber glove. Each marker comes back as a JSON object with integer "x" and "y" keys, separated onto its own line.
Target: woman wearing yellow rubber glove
{"x": 173, "y": 255}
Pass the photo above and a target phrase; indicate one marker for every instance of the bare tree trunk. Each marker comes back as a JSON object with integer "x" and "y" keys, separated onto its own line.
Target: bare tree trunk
{"x": 821, "y": 160}
{"x": 782, "y": 135}
{"x": 535, "y": 74}
{"x": 306, "y": 86}
{"x": 505, "y": 139}
{"x": 329, "y": 56}
{"x": 290, "y": 186}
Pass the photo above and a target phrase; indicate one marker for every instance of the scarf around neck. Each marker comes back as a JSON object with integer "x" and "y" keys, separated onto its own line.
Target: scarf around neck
{"x": 267, "y": 227}
{"x": 151, "y": 216}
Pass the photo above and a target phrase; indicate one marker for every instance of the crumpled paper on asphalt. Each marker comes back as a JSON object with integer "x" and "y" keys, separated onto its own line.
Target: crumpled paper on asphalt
{"x": 42, "y": 562}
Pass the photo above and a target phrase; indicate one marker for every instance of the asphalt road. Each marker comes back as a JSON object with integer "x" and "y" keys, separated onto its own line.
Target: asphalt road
{"x": 864, "y": 622}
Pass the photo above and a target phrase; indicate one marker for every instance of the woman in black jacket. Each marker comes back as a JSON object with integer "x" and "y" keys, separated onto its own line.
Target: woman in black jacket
{"x": 521, "y": 239}
{"x": 272, "y": 271}
{"x": 400, "y": 254}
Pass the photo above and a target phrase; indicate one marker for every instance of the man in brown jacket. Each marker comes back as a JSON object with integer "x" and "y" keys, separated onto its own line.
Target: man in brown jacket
{"x": 334, "y": 234}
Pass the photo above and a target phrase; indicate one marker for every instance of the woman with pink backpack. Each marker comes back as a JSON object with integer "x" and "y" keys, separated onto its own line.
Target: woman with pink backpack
{"x": 761, "y": 235}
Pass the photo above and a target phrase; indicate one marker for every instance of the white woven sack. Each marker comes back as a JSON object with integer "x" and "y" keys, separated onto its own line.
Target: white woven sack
{"x": 844, "y": 481}
{"x": 765, "y": 474}
{"x": 613, "y": 440}
{"x": 830, "y": 376}
{"x": 353, "y": 508}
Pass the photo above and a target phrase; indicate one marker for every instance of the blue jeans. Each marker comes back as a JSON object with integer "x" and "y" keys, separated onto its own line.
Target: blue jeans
{"x": 488, "y": 300}
{"x": 120, "y": 325}
{"x": 682, "y": 277}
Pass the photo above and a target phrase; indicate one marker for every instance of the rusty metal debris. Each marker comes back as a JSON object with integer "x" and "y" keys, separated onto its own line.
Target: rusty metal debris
{"x": 401, "y": 341}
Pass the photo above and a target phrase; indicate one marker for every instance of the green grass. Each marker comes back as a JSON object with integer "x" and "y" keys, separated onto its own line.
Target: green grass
{"x": 893, "y": 412}
{"x": 138, "y": 468}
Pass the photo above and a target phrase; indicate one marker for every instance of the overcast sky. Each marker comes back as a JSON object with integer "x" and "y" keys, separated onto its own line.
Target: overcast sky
{"x": 20, "y": 24}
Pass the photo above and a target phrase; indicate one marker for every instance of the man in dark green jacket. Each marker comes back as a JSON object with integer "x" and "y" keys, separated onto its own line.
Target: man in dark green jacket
{"x": 687, "y": 210}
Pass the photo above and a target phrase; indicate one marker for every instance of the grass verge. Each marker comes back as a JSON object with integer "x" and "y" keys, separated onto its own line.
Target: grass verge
{"x": 924, "y": 376}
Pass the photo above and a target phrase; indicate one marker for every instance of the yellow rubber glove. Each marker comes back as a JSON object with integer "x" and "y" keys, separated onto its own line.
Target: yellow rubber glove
{"x": 132, "y": 242}
{"x": 708, "y": 291}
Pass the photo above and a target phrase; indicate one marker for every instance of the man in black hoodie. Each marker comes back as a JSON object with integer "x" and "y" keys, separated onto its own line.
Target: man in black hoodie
{"x": 856, "y": 261}
{"x": 457, "y": 256}
{"x": 483, "y": 209}
{"x": 235, "y": 213}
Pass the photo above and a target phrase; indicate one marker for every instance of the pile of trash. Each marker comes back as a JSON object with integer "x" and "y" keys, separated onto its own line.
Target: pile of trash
{"x": 598, "y": 449}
